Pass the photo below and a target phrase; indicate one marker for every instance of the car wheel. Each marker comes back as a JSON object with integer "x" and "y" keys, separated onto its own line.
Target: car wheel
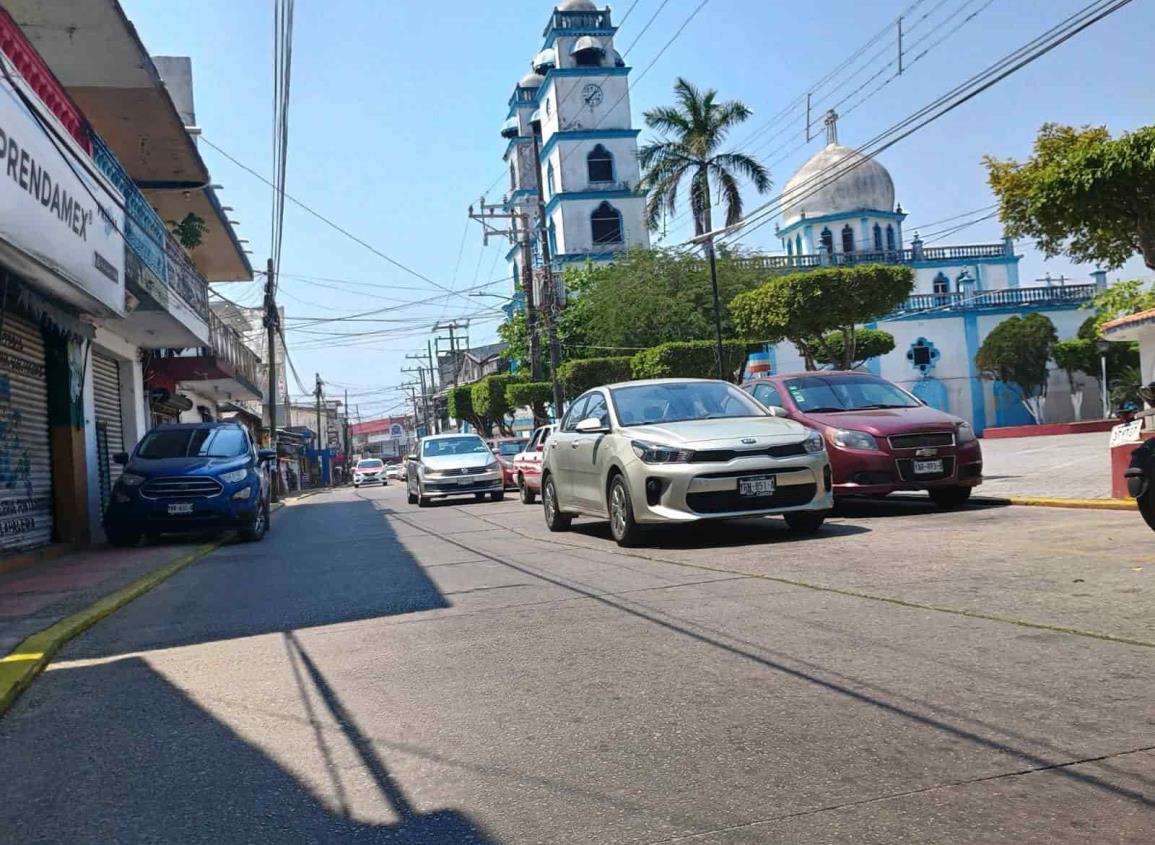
{"x": 805, "y": 522}
{"x": 1147, "y": 507}
{"x": 255, "y": 532}
{"x": 528, "y": 496}
{"x": 948, "y": 498}
{"x": 625, "y": 529}
{"x": 479, "y": 497}
{"x": 122, "y": 537}
{"x": 498, "y": 496}
{"x": 410, "y": 497}
{"x": 555, "y": 520}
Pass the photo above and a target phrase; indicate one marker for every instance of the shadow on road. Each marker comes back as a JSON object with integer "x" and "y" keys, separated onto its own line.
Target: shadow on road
{"x": 855, "y": 507}
{"x": 331, "y": 562}
{"x": 136, "y": 760}
{"x": 722, "y": 534}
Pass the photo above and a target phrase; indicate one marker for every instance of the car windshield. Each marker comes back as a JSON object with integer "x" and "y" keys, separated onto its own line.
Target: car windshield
{"x": 682, "y": 401}
{"x": 194, "y": 443}
{"x": 511, "y": 448}
{"x": 370, "y": 464}
{"x": 453, "y": 446}
{"x": 831, "y": 394}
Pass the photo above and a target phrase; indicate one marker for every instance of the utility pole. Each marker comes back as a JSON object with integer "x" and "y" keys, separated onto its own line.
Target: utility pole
{"x": 452, "y": 329}
{"x": 433, "y": 384}
{"x": 424, "y": 393}
{"x": 271, "y": 320}
{"x": 549, "y": 290}
{"x": 348, "y": 451}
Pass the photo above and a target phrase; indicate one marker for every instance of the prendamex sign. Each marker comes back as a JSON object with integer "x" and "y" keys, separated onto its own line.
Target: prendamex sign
{"x": 47, "y": 211}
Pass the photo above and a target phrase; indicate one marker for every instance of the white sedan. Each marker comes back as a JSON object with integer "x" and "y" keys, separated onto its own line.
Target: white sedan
{"x": 454, "y": 465}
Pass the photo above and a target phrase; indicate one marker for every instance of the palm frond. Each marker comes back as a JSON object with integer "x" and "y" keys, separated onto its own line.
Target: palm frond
{"x": 745, "y": 166}
{"x": 669, "y": 120}
{"x": 731, "y": 196}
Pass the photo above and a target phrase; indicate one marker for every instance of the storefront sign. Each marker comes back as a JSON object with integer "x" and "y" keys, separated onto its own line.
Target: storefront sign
{"x": 53, "y": 207}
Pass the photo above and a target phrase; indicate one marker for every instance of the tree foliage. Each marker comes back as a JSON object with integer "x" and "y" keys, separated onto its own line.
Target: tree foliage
{"x": 868, "y": 343}
{"x": 692, "y": 133}
{"x": 490, "y": 403}
{"x": 1121, "y": 300}
{"x": 579, "y": 376}
{"x": 689, "y": 359}
{"x": 531, "y": 394}
{"x": 189, "y": 230}
{"x": 514, "y": 333}
{"x": 803, "y": 307}
{"x": 1016, "y": 352}
{"x": 648, "y": 297}
{"x": 459, "y": 402}
{"x": 1082, "y": 194}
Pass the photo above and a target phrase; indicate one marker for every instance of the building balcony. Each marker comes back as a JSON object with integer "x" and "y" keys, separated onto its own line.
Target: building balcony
{"x": 1038, "y": 297}
{"x": 172, "y": 295}
{"x": 581, "y": 21}
{"x": 917, "y": 253}
{"x": 225, "y": 368}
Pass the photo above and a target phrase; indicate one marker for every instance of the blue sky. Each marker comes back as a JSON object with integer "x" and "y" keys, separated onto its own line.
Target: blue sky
{"x": 396, "y": 108}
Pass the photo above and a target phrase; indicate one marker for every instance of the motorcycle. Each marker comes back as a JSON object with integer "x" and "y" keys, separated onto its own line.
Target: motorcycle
{"x": 1140, "y": 474}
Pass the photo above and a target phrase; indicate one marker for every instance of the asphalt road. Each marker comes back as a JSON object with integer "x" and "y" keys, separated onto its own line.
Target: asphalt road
{"x": 376, "y": 673}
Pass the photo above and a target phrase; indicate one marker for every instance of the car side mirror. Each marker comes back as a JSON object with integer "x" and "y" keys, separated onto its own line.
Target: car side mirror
{"x": 120, "y": 458}
{"x": 777, "y": 411}
{"x": 591, "y": 425}
{"x": 264, "y": 455}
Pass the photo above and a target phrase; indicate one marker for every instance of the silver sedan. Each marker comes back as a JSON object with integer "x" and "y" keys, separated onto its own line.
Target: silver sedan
{"x": 453, "y": 465}
{"x": 680, "y": 451}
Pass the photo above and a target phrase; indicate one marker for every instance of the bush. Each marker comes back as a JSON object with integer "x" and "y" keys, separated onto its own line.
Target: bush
{"x": 579, "y": 376}
{"x": 459, "y": 402}
{"x": 523, "y": 394}
{"x": 868, "y": 343}
{"x": 489, "y": 399}
{"x": 689, "y": 359}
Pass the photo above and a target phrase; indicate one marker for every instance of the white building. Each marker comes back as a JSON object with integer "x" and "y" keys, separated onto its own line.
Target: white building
{"x": 840, "y": 208}
{"x": 569, "y": 125}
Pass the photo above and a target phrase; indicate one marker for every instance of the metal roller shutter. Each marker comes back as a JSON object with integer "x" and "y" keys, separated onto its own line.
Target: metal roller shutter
{"x": 109, "y": 425}
{"x": 25, "y": 453}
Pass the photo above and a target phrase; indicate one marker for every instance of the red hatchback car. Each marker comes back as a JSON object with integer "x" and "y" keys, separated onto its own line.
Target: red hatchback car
{"x": 880, "y": 438}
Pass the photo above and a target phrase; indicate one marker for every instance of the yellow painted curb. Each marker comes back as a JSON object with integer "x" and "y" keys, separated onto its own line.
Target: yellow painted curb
{"x": 28, "y": 659}
{"x": 1081, "y": 504}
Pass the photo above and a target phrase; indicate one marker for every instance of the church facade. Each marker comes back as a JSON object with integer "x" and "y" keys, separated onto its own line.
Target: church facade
{"x": 840, "y": 209}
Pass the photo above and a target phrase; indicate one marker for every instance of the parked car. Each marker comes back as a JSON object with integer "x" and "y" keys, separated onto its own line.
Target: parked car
{"x": 880, "y": 437}
{"x": 453, "y": 465}
{"x": 681, "y": 451}
{"x": 190, "y": 477}
{"x": 527, "y": 465}
{"x": 395, "y": 471}
{"x": 506, "y": 449}
{"x": 369, "y": 471}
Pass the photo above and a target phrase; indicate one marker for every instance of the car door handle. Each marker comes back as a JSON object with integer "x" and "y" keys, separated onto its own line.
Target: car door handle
{"x": 574, "y": 444}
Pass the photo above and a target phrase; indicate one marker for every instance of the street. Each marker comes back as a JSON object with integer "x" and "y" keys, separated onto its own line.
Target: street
{"x": 375, "y": 673}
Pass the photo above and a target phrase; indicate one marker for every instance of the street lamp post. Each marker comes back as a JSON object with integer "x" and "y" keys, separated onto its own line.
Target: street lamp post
{"x": 1103, "y": 346}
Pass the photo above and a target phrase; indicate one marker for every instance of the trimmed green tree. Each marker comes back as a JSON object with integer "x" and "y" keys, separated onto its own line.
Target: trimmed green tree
{"x": 490, "y": 403}
{"x": 1016, "y": 352}
{"x": 579, "y": 376}
{"x": 530, "y": 394}
{"x": 1082, "y": 194}
{"x": 803, "y": 307}
{"x": 868, "y": 343}
{"x": 459, "y": 403}
{"x": 689, "y": 359}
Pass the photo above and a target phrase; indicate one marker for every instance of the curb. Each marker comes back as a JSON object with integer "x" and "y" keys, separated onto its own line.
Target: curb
{"x": 1074, "y": 504}
{"x": 30, "y": 657}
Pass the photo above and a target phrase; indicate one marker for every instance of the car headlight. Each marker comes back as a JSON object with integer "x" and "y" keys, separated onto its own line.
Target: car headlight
{"x": 131, "y": 479}
{"x": 850, "y": 439}
{"x": 814, "y": 442}
{"x": 966, "y": 433}
{"x": 234, "y": 477}
{"x": 428, "y": 473}
{"x": 653, "y": 453}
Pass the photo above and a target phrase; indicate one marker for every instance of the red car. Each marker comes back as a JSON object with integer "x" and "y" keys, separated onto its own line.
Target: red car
{"x": 528, "y": 464}
{"x": 880, "y": 438}
{"x": 506, "y": 449}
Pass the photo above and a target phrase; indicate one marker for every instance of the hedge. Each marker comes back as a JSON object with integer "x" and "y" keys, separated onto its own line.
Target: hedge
{"x": 488, "y": 396}
{"x": 689, "y": 359}
{"x": 522, "y": 394}
{"x": 459, "y": 402}
{"x": 580, "y": 376}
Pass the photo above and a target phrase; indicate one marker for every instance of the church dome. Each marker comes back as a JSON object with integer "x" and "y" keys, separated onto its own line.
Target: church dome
{"x": 531, "y": 80}
{"x": 577, "y": 6}
{"x": 837, "y": 180}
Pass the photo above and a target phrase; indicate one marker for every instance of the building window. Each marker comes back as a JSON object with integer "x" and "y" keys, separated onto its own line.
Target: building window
{"x": 790, "y": 248}
{"x": 512, "y": 177}
{"x": 890, "y": 245}
{"x": 600, "y": 164}
{"x": 548, "y": 107}
{"x": 798, "y": 244}
{"x": 606, "y": 225}
{"x": 549, "y": 177}
{"x": 877, "y": 238}
{"x": 847, "y": 239}
{"x": 941, "y": 284}
{"x": 827, "y": 241}
{"x": 551, "y": 231}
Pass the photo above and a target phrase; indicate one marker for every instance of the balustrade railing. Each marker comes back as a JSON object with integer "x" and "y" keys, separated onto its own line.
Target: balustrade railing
{"x": 890, "y": 256}
{"x": 226, "y": 343}
{"x": 184, "y": 279}
{"x": 1006, "y": 297}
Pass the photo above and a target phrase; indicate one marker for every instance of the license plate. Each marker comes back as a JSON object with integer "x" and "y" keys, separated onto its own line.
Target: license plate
{"x": 763, "y": 486}
{"x": 176, "y": 508}
{"x": 927, "y": 467}
{"x": 464, "y": 482}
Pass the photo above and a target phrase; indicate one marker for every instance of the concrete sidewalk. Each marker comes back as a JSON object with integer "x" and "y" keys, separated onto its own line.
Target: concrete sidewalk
{"x": 1066, "y": 466}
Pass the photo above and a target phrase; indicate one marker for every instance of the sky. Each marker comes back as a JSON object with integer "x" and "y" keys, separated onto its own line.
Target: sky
{"x": 396, "y": 107}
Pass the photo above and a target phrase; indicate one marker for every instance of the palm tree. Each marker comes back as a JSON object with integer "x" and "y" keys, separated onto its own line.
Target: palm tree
{"x": 692, "y": 131}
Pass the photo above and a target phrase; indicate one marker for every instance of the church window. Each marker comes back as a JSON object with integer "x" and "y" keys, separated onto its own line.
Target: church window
{"x": 512, "y": 177}
{"x": 798, "y": 244}
{"x": 549, "y": 178}
{"x": 548, "y": 107}
{"x": 941, "y": 284}
{"x": 600, "y": 164}
{"x": 606, "y": 225}
{"x": 877, "y": 238}
{"x": 551, "y": 232}
{"x": 847, "y": 239}
{"x": 827, "y": 242}
{"x": 790, "y": 247}
{"x": 890, "y": 245}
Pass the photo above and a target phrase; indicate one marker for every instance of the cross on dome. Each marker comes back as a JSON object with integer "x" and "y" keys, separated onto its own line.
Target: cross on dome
{"x": 831, "y": 127}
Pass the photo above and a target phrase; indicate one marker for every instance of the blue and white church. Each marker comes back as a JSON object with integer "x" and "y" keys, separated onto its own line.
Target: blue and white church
{"x": 840, "y": 208}
{"x": 569, "y": 126}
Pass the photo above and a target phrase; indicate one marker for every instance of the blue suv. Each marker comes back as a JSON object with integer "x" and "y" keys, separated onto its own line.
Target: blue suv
{"x": 191, "y": 477}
